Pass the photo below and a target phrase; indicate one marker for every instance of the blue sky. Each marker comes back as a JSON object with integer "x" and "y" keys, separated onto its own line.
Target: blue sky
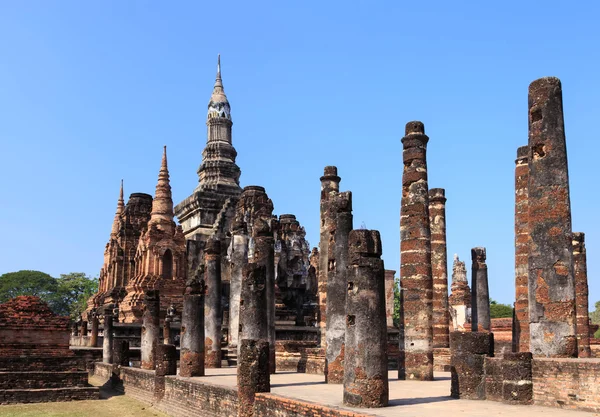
{"x": 89, "y": 94}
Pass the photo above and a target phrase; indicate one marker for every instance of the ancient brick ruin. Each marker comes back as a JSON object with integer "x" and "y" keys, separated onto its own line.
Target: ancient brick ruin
{"x": 237, "y": 287}
{"x": 36, "y": 364}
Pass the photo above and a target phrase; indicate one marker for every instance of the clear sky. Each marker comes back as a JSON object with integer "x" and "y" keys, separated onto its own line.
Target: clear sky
{"x": 89, "y": 94}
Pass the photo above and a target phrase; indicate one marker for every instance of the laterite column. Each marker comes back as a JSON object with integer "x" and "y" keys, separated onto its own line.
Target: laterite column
{"x": 366, "y": 359}
{"x": 213, "y": 314}
{"x": 416, "y": 338}
{"x": 150, "y": 329}
{"x": 191, "y": 362}
{"x": 94, "y": 335}
{"x": 239, "y": 258}
{"x": 340, "y": 209}
{"x": 581, "y": 295}
{"x": 107, "y": 342}
{"x": 481, "y": 320}
{"x": 521, "y": 330}
{"x": 439, "y": 267}
{"x": 330, "y": 185}
{"x": 551, "y": 280}
{"x": 252, "y": 374}
{"x": 264, "y": 255}
{"x": 253, "y": 303}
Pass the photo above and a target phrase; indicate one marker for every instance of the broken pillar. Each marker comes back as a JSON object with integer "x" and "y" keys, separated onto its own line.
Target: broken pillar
{"x": 239, "y": 258}
{"x": 416, "y": 335}
{"x": 480, "y": 319}
{"x": 166, "y": 364}
{"x": 550, "y": 269}
{"x": 366, "y": 359}
{"x": 467, "y": 359}
{"x": 166, "y": 360}
{"x": 340, "y": 209}
{"x": 94, "y": 334}
{"x": 213, "y": 314}
{"x": 252, "y": 373}
{"x": 439, "y": 267}
{"x": 521, "y": 325}
{"x": 517, "y": 378}
{"x": 330, "y": 186}
{"x": 150, "y": 329}
{"x": 581, "y": 295}
{"x": 107, "y": 342}
{"x": 390, "y": 285}
{"x": 191, "y": 361}
{"x": 253, "y": 303}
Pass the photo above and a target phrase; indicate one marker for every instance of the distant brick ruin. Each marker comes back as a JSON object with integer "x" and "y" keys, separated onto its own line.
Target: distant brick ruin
{"x": 36, "y": 364}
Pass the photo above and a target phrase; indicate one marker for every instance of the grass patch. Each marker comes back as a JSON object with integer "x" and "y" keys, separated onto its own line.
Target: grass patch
{"x": 110, "y": 406}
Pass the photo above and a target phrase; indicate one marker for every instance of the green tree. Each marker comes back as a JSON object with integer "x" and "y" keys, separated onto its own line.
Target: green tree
{"x": 498, "y": 310}
{"x": 595, "y": 317}
{"x": 396, "y": 315}
{"x": 66, "y": 296}
{"x": 72, "y": 293}
{"x": 13, "y": 284}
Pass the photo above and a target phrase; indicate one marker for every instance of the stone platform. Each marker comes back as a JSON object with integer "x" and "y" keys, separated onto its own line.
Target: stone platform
{"x": 407, "y": 398}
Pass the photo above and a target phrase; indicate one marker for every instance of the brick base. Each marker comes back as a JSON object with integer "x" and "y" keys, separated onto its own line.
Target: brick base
{"x": 18, "y": 396}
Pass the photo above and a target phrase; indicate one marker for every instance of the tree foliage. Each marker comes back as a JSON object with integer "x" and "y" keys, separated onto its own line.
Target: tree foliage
{"x": 66, "y": 295}
{"x": 13, "y": 284}
{"x": 498, "y": 310}
{"x": 72, "y": 293}
{"x": 595, "y": 317}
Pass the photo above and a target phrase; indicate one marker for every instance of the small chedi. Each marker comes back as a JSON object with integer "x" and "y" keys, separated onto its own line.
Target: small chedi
{"x": 237, "y": 287}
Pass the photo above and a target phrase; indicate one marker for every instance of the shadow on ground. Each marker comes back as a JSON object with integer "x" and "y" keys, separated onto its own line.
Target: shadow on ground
{"x": 423, "y": 400}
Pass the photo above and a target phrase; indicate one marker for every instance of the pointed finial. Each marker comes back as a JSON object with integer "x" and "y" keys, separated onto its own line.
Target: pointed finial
{"x": 218, "y": 66}
{"x": 163, "y": 163}
{"x": 120, "y": 209}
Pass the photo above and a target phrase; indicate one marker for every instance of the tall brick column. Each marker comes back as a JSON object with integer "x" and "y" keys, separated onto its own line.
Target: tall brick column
{"x": 191, "y": 361}
{"x": 416, "y": 339}
{"x": 389, "y": 297}
{"x": 107, "y": 340}
{"x": 252, "y": 374}
{"x": 366, "y": 359}
{"x": 521, "y": 326}
{"x": 94, "y": 335}
{"x": 581, "y": 295}
{"x": 264, "y": 255}
{"x": 213, "y": 313}
{"x": 330, "y": 185}
{"x": 150, "y": 329}
{"x": 239, "y": 258}
{"x": 340, "y": 209}
{"x": 439, "y": 267}
{"x": 253, "y": 303}
{"x": 481, "y": 320}
{"x": 551, "y": 281}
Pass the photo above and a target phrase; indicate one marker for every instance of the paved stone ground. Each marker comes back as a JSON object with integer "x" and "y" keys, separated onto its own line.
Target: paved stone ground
{"x": 407, "y": 398}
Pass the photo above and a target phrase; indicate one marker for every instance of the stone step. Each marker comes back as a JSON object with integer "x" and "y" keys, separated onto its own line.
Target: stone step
{"x": 19, "y": 396}
{"x": 41, "y": 379}
{"x": 285, "y": 322}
